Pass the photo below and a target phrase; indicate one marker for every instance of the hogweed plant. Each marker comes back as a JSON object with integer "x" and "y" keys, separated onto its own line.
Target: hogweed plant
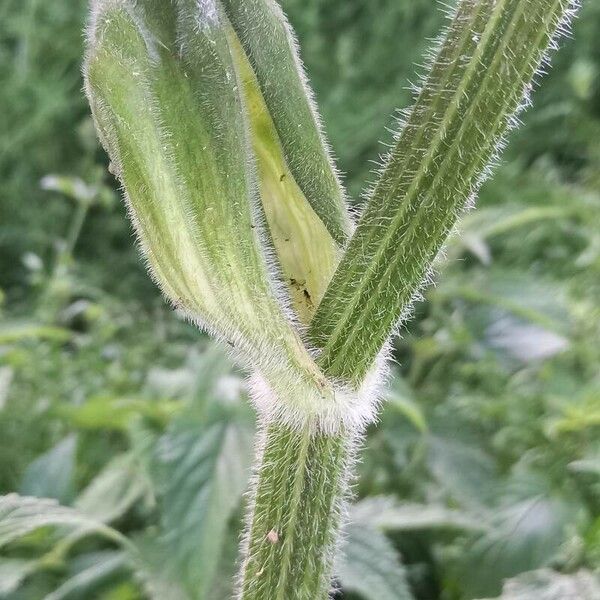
{"x": 240, "y": 213}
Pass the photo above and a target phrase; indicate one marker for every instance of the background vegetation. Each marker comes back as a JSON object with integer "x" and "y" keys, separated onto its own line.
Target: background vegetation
{"x": 485, "y": 466}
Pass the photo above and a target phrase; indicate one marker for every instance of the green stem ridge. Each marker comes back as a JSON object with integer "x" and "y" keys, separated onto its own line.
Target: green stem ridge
{"x": 479, "y": 81}
{"x": 300, "y": 483}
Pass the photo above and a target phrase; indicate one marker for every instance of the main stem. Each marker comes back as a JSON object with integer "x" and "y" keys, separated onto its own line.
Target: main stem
{"x": 300, "y": 484}
{"x": 482, "y": 73}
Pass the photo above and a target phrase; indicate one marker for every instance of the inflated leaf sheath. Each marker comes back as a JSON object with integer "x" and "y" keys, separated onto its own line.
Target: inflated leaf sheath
{"x": 480, "y": 78}
{"x": 165, "y": 97}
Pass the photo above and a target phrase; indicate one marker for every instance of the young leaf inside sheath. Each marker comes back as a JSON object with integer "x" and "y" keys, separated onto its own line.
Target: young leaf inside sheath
{"x": 306, "y": 252}
{"x": 270, "y": 46}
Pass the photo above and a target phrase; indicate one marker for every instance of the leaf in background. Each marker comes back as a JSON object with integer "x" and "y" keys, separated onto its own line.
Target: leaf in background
{"x": 525, "y": 342}
{"x": 20, "y": 515}
{"x": 528, "y": 531}
{"x": 535, "y": 300}
{"x": 370, "y": 566}
{"x": 195, "y": 380}
{"x": 13, "y": 571}
{"x": 201, "y": 475}
{"x": 17, "y": 331}
{"x": 400, "y": 399}
{"x": 577, "y": 413}
{"x": 486, "y": 222}
{"x": 170, "y": 383}
{"x": 211, "y": 372}
{"x": 51, "y": 474}
{"x": 213, "y": 395}
{"x": 116, "y": 412}
{"x": 114, "y": 490}
{"x": 388, "y": 514}
{"x": 148, "y": 561}
{"x": 546, "y": 584}
{"x": 101, "y": 566}
{"x": 6, "y": 376}
{"x": 225, "y": 578}
{"x": 463, "y": 468}
{"x": 73, "y": 187}
{"x": 588, "y": 464}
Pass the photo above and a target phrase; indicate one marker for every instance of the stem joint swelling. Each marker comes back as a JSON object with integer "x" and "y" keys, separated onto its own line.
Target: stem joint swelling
{"x": 241, "y": 217}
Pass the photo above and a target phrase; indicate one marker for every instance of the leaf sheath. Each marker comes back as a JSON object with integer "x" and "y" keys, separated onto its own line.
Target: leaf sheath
{"x": 164, "y": 93}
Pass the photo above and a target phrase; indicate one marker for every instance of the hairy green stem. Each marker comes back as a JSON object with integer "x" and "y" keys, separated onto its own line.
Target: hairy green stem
{"x": 291, "y": 536}
{"x": 478, "y": 81}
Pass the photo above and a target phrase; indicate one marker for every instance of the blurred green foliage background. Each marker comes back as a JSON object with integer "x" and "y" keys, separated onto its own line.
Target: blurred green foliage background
{"x": 482, "y": 477}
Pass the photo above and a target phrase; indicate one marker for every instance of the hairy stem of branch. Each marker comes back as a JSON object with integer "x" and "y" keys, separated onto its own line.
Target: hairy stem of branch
{"x": 300, "y": 484}
{"x": 479, "y": 80}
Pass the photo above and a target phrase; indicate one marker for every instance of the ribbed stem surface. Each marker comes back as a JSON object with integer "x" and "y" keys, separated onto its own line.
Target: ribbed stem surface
{"x": 299, "y": 488}
{"x": 480, "y": 78}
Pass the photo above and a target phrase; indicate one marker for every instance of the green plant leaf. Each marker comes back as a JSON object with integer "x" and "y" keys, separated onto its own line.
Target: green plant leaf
{"x": 527, "y": 532}
{"x": 588, "y": 464}
{"x": 51, "y": 474}
{"x": 13, "y": 571}
{"x": 202, "y": 473}
{"x": 114, "y": 490}
{"x": 479, "y": 79}
{"x": 488, "y": 222}
{"x": 546, "y": 584}
{"x": 575, "y": 414}
{"x": 399, "y": 399}
{"x": 463, "y": 469}
{"x": 117, "y": 412}
{"x": 388, "y": 514}
{"x": 6, "y": 379}
{"x": 148, "y": 562}
{"x": 370, "y": 566}
{"x": 103, "y": 565}
{"x": 17, "y": 331}
{"x": 536, "y": 300}
{"x": 73, "y": 187}
{"x": 21, "y": 515}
